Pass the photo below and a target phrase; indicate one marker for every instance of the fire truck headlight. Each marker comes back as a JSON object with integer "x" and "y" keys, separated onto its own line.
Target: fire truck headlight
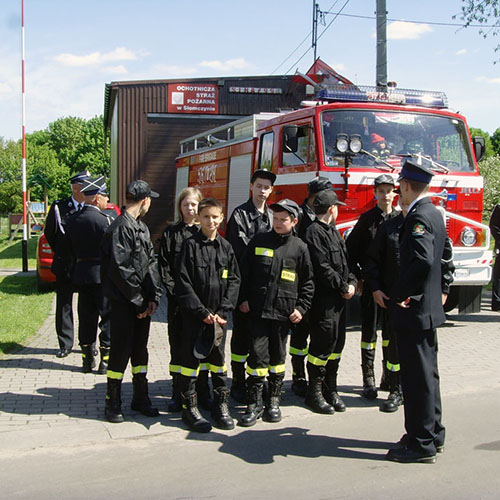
{"x": 355, "y": 144}
{"x": 468, "y": 237}
{"x": 342, "y": 143}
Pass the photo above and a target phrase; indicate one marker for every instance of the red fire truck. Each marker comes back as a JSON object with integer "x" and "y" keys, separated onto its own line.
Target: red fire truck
{"x": 352, "y": 134}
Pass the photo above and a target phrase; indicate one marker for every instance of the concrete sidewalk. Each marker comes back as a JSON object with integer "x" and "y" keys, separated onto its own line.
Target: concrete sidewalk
{"x": 50, "y": 410}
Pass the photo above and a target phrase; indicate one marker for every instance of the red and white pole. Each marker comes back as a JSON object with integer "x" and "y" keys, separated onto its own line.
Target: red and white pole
{"x": 25, "y": 214}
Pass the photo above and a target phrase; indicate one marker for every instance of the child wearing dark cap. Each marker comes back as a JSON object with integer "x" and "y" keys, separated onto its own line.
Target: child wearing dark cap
{"x": 277, "y": 288}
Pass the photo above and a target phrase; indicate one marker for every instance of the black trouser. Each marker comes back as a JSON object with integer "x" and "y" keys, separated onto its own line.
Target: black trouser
{"x": 64, "y": 313}
{"x": 240, "y": 338}
{"x": 391, "y": 352}
{"x": 371, "y": 314}
{"x": 421, "y": 392}
{"x": 327, "y": 327}
{"x": 190, "y": 365}
{"x": 174, "y": 319}
{"x": 129, "y": 340}
{"x": 495, "y": 297}
{"x": 298, "y": 339}
{"x": 267, "y": 347}
{"x": 91, "y": 305}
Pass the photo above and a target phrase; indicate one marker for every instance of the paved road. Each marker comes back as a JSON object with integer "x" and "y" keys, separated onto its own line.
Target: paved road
{"x": 55, "y": 443}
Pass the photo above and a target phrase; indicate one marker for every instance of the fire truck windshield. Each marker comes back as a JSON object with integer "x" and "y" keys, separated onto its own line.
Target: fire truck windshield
{"x": 389, "y": 137}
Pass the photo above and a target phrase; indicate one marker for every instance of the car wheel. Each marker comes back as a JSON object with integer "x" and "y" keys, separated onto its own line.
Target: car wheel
{"x": 43, "y": 286}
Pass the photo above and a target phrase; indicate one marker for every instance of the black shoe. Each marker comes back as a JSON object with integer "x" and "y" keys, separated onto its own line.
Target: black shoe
{"x": 62, "y": 353}
{"x": 299, "y": 387}
{"x": 405, "y": 440}
{"x": 405, "y": 455}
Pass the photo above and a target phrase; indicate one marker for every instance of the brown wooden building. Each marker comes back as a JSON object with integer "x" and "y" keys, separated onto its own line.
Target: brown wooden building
{"x": 145, "y": 120}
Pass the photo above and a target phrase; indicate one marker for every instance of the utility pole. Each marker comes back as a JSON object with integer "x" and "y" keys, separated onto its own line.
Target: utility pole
{"x": 381, "y": 77}
{"x": 315, "y": 28}
{"x": 25, "y": 215}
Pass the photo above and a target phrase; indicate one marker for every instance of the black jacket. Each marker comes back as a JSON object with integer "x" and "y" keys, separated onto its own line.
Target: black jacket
{"x": 277, "y": 276}
{"x": 329, "y": 259}
{"x": 307, "y": 217}
{"x": 362, "y": 235}
{"x": 245, "y": 222}
{"x": 422, "y": 241}
{"x": 495, "y": 227}
{"x": 85, "y": 230}
{"x": 129, "y": 271}
{"x": 170, "y": 248}
{"x": 54, "y": 232}
{"x": 208, "y": 278}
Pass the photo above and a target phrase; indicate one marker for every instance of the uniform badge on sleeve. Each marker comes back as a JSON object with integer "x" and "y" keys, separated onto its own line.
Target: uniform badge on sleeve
{"x": 418, "y": 229}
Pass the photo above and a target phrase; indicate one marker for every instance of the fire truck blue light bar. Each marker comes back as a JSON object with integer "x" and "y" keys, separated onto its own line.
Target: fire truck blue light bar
{"x": 357, "y": 93}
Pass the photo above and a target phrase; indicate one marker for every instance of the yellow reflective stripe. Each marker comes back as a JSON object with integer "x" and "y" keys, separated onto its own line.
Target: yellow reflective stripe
{"x": 316, "y": 361}
{"x": 139, "y": 369}
{"x": 393, "y": 368}
{"x": 239, "y": 358}
{"x": 224, "y": 274}
{"x": 105, "y": 357}
{"x": 204, "y": 367}
{"x": 298, "y": 352}
{"x": 189, "y": 372}
{"x": 334, "y": 355}
{"x": 277, "y": 368}
{"x": 385, "y": 343}
{"x": 218, "y": 369}
{"x": 265, "y": 252}
{"x": 369, "y": 346}
{"x": 288, "y": 275}
{"x": 257, "y": 372}
{"x": 174, "y": 368}
{"x": 114, "y": 375}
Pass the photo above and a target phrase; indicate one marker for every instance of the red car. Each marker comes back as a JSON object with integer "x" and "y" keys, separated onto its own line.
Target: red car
{"x": 45, "y": 278}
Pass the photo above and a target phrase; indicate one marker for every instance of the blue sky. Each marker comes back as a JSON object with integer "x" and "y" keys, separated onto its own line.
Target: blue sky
{"x": 74, "y": 47}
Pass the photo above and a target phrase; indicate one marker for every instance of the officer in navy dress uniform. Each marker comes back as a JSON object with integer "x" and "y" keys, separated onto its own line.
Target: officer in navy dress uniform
{"x": 61, "y": 265}
{"x": 85, "y": 230}
{"x": 495, "y": 279}
{"x": 416, "y": 311}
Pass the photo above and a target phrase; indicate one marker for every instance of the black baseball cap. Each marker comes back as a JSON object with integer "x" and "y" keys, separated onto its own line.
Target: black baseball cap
{"x": 210, "y": 336}
{"x": 263, "y": 174}
{"x": 94, "y": 185}
{"x": 79, "y": 178}
{"x": 325, "y": 199}
{"x": 319, "y": 184}
{"x": 138, "y": 190}
{"x": 289, "y": 205}
{"x": 384, "y": 179}
{"x": 416, "y": 172}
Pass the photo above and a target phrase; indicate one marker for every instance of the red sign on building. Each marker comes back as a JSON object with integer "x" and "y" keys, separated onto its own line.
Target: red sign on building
{"x": 200, "y": 98}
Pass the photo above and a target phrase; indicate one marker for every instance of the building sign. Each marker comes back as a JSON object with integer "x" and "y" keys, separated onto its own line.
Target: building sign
{"x": 255, "y": 90}
{"x": 193, "y": 98}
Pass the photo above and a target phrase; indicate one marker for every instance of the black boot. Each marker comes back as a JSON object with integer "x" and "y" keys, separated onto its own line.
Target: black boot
{"x": 330, "y": 386}
{"x": 88, "y": 359}
{"x": 220, "y": 409}
{"x": 299, "y": 382}
{"x": 140, "y": 399}
{"x": 176, "y": 401}
{"x": 384, "y": 380}
{"x": 367, "y": 358}
{"x": 103, "y": 365}
{"x": 191, "y": 416}
{"x": 113, "y": 408}
{"x": 203, "y": 391}
{"x": 315, "y": 399}
{"x": 395, "y": 398}
{"x": 272, "y": 413}
{"x": 255, "y": 405}
{"x": 238, "y": 387}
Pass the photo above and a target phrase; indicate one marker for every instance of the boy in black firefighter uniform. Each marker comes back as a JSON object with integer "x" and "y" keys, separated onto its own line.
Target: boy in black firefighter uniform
{"x": 130, "y": 280}
{"x": 334, "y": 285}
{"x": 358, "y": 243}
{"x": 277, "y": 289}
{"x": 300, "y": 333}
{"x": 168, "y": 260}
{"x": 62, "y": 262}
{"x": 85, "y": 230}
{"x": 247, "y": 220}
{"x": 206, "y": 288}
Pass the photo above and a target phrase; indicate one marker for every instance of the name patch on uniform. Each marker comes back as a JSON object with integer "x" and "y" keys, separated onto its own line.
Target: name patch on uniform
{"x": 265, "y": 252}
{"x": 288, "y": 275}
{"x": 418, "y": 229}
{"x": 224, "y": 274}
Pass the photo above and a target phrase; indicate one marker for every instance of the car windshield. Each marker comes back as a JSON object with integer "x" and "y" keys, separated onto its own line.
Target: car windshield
{"x": 390, "y": 137}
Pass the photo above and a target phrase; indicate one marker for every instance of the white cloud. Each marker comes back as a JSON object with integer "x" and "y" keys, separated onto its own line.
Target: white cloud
{"x": 461, "y": 52}
{"x": 228, "y": 65}
{"x": 166, "y": 71}
{"x": 95, "y": 58}
{"x": 485, "y": 79}
{"x": 115, "y": 70}
{"x": 401, "y": 30}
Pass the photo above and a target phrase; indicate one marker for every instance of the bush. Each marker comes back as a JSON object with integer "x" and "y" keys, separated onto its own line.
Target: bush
{"x": 490, "y": 170}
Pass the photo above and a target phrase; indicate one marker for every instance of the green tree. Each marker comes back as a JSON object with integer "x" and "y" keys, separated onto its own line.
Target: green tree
{"x": 474, "y": 132}
{"x": 490, "y": 170}
{"x": 495, "y": 141}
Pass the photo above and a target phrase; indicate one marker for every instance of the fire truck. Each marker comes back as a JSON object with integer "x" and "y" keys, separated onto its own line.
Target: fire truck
{"x": 351, "y": 134}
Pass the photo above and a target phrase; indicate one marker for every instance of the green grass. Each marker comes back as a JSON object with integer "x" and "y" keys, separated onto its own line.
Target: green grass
{"x": 11, "y": 255}
{"x": 22, "y": 310}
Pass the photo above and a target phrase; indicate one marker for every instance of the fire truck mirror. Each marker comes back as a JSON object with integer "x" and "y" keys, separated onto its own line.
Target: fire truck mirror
{"x": 479, "y": 147}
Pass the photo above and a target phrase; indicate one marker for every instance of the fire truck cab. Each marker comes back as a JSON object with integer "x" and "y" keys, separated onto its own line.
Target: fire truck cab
{"x": 352, "y": 134}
